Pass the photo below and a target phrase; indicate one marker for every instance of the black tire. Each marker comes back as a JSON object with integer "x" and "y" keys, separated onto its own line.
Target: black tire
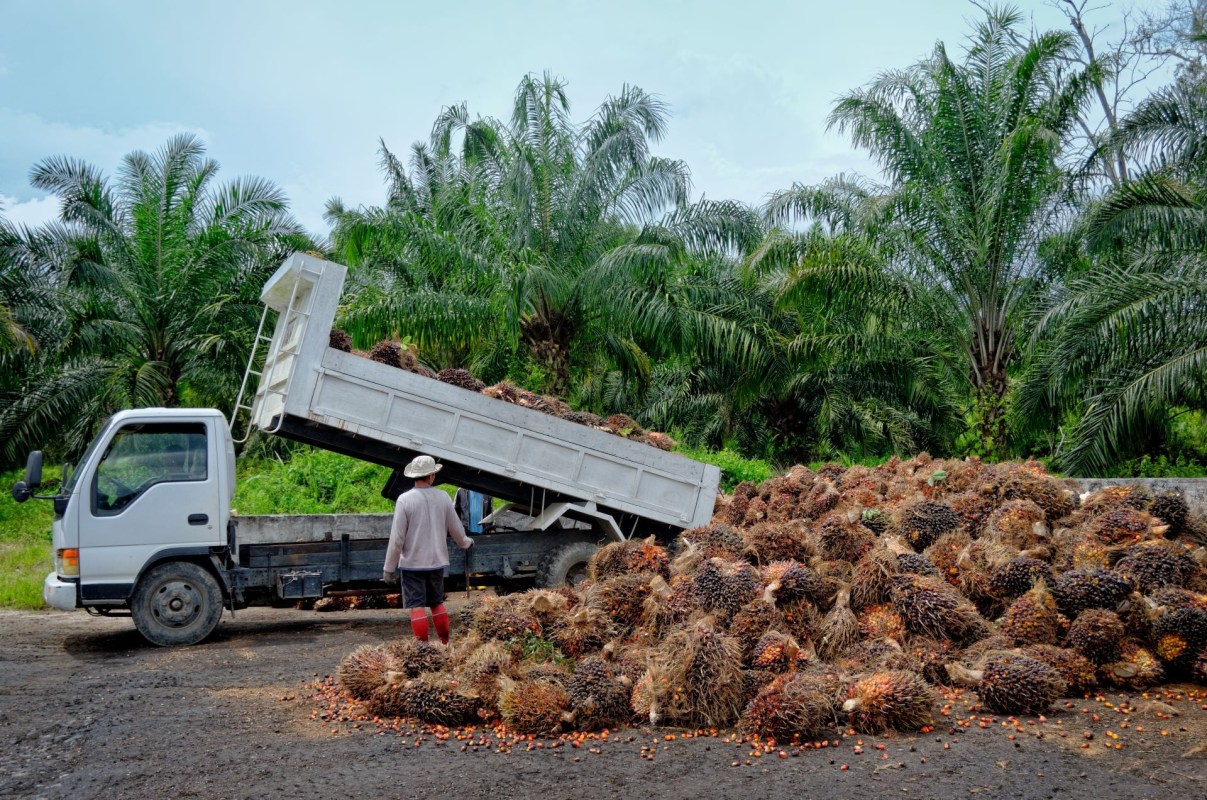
{"x": 176, "y": 603}
{"x": 565, "y": 565}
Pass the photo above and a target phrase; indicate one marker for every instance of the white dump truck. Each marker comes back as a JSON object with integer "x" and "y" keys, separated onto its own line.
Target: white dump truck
{"x": 143, "y": 523}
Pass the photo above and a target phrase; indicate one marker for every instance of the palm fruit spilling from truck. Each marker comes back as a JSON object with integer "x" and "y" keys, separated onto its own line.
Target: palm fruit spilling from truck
{"x": 790, "y": 616}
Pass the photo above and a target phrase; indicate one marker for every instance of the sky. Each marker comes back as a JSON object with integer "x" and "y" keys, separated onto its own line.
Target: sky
{"x": 300, "y": 92}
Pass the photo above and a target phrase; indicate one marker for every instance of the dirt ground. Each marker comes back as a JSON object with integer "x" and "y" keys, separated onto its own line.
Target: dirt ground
{"x": 88, "y": 710}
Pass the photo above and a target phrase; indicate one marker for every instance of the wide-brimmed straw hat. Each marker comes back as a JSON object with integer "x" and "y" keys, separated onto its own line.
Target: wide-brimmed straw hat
{"x": 421, "y": 467}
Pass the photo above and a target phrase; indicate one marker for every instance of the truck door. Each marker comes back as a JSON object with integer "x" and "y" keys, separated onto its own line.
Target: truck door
{"x": 155, "y": 488}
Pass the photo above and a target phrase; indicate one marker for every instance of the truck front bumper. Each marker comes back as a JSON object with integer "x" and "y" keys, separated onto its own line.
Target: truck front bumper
{"x": 58, "y": 593}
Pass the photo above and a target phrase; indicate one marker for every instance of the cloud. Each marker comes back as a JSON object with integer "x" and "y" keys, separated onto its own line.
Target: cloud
{"x": 29, "y": 212}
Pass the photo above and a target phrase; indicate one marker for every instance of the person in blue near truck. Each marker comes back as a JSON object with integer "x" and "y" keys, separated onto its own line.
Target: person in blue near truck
{"x": 417, "y": 554}
{"x": 473, "y": 507}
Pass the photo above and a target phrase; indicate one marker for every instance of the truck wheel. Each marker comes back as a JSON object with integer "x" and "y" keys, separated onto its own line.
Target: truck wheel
{"x": 177, "y": 603}
{"x": 566, "y": 564}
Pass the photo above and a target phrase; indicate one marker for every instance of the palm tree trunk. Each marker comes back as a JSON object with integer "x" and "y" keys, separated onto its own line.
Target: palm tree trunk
{"x": 990, "y": 384}
{"x": 548, "y": 339}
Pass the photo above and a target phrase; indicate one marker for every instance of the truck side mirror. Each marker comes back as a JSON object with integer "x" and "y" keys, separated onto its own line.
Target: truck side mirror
{"x": 33, "y": 471}
{"x": 21, "y": 492}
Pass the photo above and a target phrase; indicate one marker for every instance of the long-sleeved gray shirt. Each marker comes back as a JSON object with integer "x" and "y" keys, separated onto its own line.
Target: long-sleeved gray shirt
{"x": 422, "y": 518}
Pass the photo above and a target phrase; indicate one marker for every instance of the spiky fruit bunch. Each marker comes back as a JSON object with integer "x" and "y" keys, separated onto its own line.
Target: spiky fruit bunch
{"x": 1179, "y": 634}
{"x": 1171, "y": 508}
{"x": 768, "y": 543}
{"x": 1034, "y": 619}
{"x": 739, "y": 503}
{"x": 332, "y": 604}
{"x": 1016, "y": 577}
{"x": 1075, "y": 669}
{"x": 917, "y": 564}
{"x": 713, "y": 679}
{"x": 1018, "y": 524}
{"x": 1200, "y": 666}
{"x": 599, "y": 698}
{"x": 715, "y": 541}
{"x": 1136, "y": 668}
{"x": 1109, "y": 498}
{"x": 875, "y": 520}
{"x": 875, "y": 655}
{"x": 536, "y": 707}
{"x": 1179, "y": 598}
{"x": 924, "y": 521}
{"x": 363, "y": 670}
{"x": 584, "y": 630}
{"x": 460, "y": 377}
{"x": 842, "y": 538}
{"x": 502, "y": 618}
{"x": 1156, "y": 564}
{"x": 726, "y": 585}
{"x": 789, "y": 581}
{"x": 439, "y": 700}
{"x": 776, "y": 652}
{"x": 667, "y": 605}
{"x": 1016, "y": 684}
{"x": 390, "y": 698}
{"x": 1097, "y": 635}
{"x": 821, "y": 499}
{"x": 631, "y": 555}
{"x": 1079, "y": 589}
{"x": 973, "y": 510}
{"x": 753, "y": 681}
{"x": 799, "y": 705}
{"x": 872, "y": 578}
{"x": 622, "y": 597}
{"x": 413, "y": 657}
{"x": 624, "y": 425}
{"x": 946, "y": 554}
{"x": 749, "y": 624}
{"x": 887, "y": 701}
{"x": 388, "y": 353}
{"x": 1051, "y": 494}
{"x": 881, "y": 622}
{"x": 840, "y": 628}
{"x": 932, "y": 608}
{"x": 584, "y": 418}
{"x": 1122, "y": 526}
{"x": 340, "y": 340}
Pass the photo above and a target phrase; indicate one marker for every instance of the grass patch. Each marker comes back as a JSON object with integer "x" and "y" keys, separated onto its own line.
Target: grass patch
{"x": 25, "y": 550}
{"x": 23, "y": 567}
{"x": 311, "y": 482}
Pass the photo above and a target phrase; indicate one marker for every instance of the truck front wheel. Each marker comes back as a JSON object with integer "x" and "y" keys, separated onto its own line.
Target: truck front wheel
{"x": 565, "y": 565}
{"x": 176, "y": 603}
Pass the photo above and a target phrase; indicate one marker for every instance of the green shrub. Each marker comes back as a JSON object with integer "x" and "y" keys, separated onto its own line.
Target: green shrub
{"x": 734, "y": 468}
{"x": 1147, "y": 466}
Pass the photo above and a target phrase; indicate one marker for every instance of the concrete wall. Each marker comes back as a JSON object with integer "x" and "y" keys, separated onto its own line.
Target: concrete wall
{"x": 1195, "y": 489}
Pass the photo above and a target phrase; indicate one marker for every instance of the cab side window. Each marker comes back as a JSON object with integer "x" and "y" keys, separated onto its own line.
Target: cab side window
{"x": 143, "y": 455}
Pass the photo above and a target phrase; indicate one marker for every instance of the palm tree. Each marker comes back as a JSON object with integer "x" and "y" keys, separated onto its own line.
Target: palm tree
{"x": 521, "y": 221}
{"x": 158, "y": 274}
{"x": 1124, "y": 344}
{"x": 969, "y": 153}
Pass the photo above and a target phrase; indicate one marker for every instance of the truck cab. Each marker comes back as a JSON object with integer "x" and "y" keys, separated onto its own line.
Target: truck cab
{"x": 153, "y": 488}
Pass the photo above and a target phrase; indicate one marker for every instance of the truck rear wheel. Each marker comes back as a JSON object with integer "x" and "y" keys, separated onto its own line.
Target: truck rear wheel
{"x": 565, "y": 565}
{"x": 176, "y": 603}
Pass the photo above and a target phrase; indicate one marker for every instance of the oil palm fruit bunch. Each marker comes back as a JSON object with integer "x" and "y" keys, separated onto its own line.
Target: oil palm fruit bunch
{"x": 413, "y": 657}
{"x": 885, "y": 701}
{"x": 340, "y": 340}
{"x": 1011, "y": 683}
{"x": 1079, "y": 589}
{"x": 1034, "y": 618}
{"x": 1135, "y": 668}
{"x": 533, "y": 706}
{"x": 1016, "y": 577}
{"x": 1156, "y": 564}
{"x": 923, "y": 521}
{"x": 460, "y": 377}
{"x": 363, "y": 670}
{"x": 599, "y": 696}
{"x": 1097, "y": 635}
{"x": 800, "y": 705}
{"x": 930, "y": 607}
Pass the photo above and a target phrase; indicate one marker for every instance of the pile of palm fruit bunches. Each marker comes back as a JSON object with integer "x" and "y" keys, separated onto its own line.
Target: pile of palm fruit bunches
{"x": 393, "y": 354}
{"x": 843, "y": 597}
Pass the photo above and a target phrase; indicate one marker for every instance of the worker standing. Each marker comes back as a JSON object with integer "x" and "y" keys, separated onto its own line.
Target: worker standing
{"x": 418, "y": 549}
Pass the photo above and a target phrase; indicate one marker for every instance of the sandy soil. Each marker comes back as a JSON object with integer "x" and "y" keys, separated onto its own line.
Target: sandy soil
{"x": 88, "y": 710}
